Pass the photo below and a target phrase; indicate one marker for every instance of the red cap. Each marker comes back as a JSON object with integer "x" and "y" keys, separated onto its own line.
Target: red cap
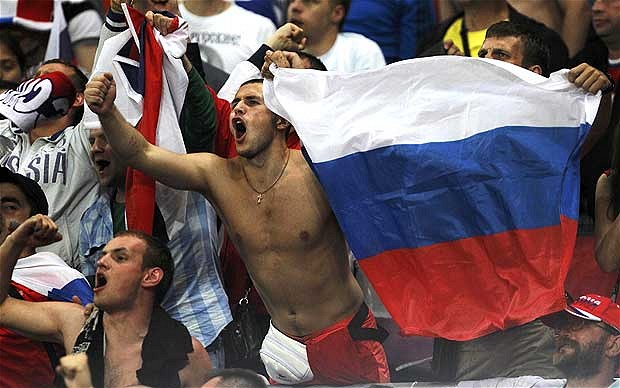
{"x": 596, "y": 308}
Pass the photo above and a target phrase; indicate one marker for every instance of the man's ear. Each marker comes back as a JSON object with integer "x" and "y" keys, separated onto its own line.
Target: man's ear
{"x": 282, "y": 124}
{"x": 536, "y": 69}
{"x": 612, "y": 350}
{"x": 79, "y": 99}
{"x": 337, "y": 14}
{"x": 152, "y": 277}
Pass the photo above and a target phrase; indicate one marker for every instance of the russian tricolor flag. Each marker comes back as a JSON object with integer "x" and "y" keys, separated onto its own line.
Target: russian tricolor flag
{"x": 455, "y": 181}
{"x": 48, "y": 275}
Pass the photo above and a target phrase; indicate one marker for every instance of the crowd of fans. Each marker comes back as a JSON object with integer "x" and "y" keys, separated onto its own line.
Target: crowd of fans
{"x": 232, "y": 287}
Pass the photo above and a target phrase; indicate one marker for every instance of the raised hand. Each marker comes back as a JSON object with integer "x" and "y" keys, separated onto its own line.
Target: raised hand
{"x": 286, "y": 59}
{"x": 36, "y": 231}
{"x": 100, "y": 93}
{"x": 161, "y": 23}
{"x": 588, "y": 78}
{"x": 288, "y": 37}
{"x": 115, "y": 5}
{"x": 74, "y": 370}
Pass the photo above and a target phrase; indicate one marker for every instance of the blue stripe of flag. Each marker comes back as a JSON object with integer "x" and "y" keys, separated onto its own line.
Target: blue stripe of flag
{"x": 409, "y": 196}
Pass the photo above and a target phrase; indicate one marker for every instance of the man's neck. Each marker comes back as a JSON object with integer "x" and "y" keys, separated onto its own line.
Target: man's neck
{"x": 320, "y": 45}
{"x": 130, "y": 325}
{"x": 263, "y": 169}
{"x": 207, "y": 7}
{"x": 480, "y": 15}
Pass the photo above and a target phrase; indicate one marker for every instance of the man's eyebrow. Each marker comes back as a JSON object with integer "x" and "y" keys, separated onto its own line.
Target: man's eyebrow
{"x": 500, "y": 50}
{"x": 9, "y": 200}
{"x": 116, "y": 250}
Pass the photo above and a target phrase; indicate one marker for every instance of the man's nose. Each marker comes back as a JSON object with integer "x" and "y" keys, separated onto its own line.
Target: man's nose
{"x": 295, "y": 6}
{"x": 97, "y": 146}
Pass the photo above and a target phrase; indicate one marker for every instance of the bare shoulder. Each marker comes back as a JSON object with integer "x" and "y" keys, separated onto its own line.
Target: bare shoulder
{"x": 196, "y": 371}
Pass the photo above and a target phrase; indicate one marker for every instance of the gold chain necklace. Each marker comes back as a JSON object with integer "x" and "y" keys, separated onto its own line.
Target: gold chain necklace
{"x": 259, "y": 194}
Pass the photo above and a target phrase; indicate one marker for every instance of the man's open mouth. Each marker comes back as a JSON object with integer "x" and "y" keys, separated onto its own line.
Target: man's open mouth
{"x": 100, "y": 281}
{"x": 101, "y": 164}
{"x": 239, "y": 128}
{"x": 298, "y": 23}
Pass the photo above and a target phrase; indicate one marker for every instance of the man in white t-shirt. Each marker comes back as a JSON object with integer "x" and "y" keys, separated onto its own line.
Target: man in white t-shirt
{"x": 322, "y": 21}
{"x": 226, "y": 33}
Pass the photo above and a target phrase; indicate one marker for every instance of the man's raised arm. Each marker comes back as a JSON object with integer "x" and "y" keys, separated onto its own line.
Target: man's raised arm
{"x": 44, "y": 321}
{"x": 185, "y": 172}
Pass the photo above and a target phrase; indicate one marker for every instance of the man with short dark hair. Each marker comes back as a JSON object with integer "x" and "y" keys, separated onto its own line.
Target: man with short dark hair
{"x": 129, "y": 340}
{"x": 531, "y": 51}
{"x": 587, "y": 336}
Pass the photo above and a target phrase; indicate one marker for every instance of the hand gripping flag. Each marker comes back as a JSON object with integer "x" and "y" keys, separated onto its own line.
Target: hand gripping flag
{"x": 455, "y": 181}
{"x": 150, "y": 87}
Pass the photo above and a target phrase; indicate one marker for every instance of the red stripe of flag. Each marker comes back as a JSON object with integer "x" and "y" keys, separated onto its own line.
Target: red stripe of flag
{"x": 41, "y": 12}
{"x": 140, "y": 197}
{"x": 435, "y": 296}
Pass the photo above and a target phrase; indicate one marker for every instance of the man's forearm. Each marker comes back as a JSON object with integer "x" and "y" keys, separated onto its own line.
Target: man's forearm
{"x": 9, "y": 254}
{"x": 125, "y": 140}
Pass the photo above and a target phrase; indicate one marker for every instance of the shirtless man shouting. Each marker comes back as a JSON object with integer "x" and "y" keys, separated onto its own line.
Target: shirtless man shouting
{"x": 128, "y": 338}
{"x": 279, "y": 219}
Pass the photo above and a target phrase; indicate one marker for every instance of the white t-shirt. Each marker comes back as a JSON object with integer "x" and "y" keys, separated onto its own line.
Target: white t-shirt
{"x": 353, "y": 52}
{"x": 228, "y": 38}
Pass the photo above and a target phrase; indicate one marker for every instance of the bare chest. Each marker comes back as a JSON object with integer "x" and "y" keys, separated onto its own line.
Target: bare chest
{"x": 290, "y": 216}
{"x": 121, "y": 364}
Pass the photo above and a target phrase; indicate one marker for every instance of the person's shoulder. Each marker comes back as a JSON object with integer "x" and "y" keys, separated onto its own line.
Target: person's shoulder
{"x": 358, "y": 41}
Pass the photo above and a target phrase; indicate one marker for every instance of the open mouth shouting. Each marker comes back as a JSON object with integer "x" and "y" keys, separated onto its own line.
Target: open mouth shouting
{"x": 100, "y": 281}
{"x": 239, "y": 129}
{"x": 101, "y": 165}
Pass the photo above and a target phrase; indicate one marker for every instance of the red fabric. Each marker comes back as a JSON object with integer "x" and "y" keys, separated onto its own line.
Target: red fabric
{"x": 140, "y": 197}
{"x": 467, "y": 297}
{"x": 615, "y": 74}
{"x": 24, "y": 363}
{"x": 584, "y": 275}
{"x": 42, "y": 12}
{"x": 336, "y": 359}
